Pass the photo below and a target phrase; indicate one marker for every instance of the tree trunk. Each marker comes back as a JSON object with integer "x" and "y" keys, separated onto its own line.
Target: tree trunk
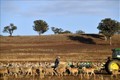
{"x": 105, "y": 38}
{"x": 10, "y": 34}
{"x": 39, "y": 33}
{"x": 110, "y": 40}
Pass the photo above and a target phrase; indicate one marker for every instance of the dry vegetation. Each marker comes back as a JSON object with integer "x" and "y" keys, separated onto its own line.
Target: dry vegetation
{"x": 84, "y": 47}
{"x": 78, "y": 48}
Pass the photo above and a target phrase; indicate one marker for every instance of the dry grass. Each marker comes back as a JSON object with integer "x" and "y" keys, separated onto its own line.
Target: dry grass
{"x": 85, "y": 47}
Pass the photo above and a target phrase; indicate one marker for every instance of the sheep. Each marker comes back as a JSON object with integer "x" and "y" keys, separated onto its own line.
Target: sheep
{"x": 14, "y": 71}
{"x": 35, "y": 71}
{"x": 115, "y": 73}
{"x": 41, "y": 72}
{"x": 73, "y": 71}
{"x": 60, "y": 70}
{"x": 50, "y": 71}
{"x": 89, "y": 70}
{"x": 26, "y": 70}
{"x": 99, "y": 67}
{"x": 3, "y": 71}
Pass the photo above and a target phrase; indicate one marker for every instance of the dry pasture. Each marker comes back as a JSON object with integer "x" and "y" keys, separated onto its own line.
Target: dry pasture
{"x": 70, "y": 47}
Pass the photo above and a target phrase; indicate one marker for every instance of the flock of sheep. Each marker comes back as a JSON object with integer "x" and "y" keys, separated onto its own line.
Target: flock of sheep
{"x": 46, "y": 68}
{"x": 43, "y": 69}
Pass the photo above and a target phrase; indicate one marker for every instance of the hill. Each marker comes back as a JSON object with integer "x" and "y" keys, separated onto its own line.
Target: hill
{"x": 71, "y": 47}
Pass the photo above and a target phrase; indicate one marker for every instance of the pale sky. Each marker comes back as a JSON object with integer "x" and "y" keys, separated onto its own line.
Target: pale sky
{"x": 69, "y": 15}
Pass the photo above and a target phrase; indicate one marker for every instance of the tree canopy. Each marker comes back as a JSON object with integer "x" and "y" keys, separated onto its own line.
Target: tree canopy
{"x": 66, "y": 32}
{"x": 9, "y": 29}
{"x": 108, "y": 27}
{"x": 56, "y": 30}
{"x": 40, "y": 26}
{"x": 60, "y": 31}
{"x": 80, "y": 32}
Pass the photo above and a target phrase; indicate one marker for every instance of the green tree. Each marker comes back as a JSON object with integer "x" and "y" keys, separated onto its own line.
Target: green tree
{"x": 40, "y": 26}
{"x": 118, "y": 32}
{"x": 56, "y": 30}
{"x": 80, "y": 32}
{"x": 1, "y": 35}
{"x": 108, "y": 28}
{"x": 66, "y": 32}
{"x": 9, "y": 29}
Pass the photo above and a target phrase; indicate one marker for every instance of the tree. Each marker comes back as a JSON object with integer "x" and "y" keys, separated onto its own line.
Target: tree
{"x": 1, "y": 35}
{"x": 60, "y": 31}
{"x": 66, "y": 32}
{"x": 9, "y": 29}
{"x": 118, "y": 32}
{"x": 40, "y": 26}
{"x": 80, "y": 32}
{"x": 108, "y": 28}
{"x": 56, "y": 30}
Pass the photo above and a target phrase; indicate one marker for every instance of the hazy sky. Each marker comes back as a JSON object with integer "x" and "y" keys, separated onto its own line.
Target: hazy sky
{"x": 69, "y": 15}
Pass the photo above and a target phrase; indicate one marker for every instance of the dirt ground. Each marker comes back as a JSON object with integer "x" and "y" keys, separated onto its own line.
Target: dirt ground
{"x": 97, "y": 77}
{"x": 84, "y": 47}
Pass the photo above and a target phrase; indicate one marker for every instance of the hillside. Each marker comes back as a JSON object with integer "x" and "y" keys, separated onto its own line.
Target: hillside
{"x": 46, "y": 48}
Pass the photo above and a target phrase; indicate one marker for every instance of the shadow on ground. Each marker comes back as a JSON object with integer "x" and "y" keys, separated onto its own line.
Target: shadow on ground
{"x": 82, "y": 39}
{"x": 94, "y": 36}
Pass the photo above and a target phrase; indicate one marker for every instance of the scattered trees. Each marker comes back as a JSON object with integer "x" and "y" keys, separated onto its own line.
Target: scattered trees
{"x": 9, "y": 29}
{"x": 60, "y": 31}
{"x": 40, "y": 26}
{"x": 108, "y": 28}
{"x": 118, "y": 32}
{"x": 56, "y": 30}
{"x": 80, "y": 32}
{"x": 66, "y": 32}
{"x": 1, "y": 35}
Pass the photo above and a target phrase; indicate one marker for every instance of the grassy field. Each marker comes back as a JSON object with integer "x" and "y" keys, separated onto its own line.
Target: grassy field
{"x": 71, "y": 47}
